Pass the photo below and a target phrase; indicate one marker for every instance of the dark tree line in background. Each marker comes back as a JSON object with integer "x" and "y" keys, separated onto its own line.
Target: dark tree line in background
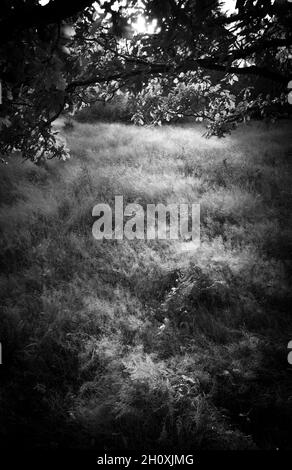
{"x": 198, "y": 61}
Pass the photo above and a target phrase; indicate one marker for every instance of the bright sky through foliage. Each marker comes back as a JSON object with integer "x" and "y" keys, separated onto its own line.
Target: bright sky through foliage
{"x": 229, "y": 6}
{"x": 142, "y": 26}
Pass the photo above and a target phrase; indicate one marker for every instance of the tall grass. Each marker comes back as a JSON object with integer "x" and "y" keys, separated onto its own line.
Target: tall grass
{"x": 143, "y": 345}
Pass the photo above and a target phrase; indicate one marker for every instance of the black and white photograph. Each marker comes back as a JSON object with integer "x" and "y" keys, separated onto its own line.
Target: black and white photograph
{"x": 145, "y": 233}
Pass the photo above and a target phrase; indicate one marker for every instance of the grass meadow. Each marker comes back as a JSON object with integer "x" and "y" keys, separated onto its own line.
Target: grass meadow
{"x": 130, "y": 345}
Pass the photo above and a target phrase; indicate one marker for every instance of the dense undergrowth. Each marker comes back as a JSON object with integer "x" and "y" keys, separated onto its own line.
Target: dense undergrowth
{"x": 137, "y": 345}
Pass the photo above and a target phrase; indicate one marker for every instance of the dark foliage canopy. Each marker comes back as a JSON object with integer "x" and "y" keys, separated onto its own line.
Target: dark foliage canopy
{"x": 197, "y": 61}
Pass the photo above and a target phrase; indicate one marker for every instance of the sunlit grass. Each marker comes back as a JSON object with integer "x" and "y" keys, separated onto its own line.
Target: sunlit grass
{"x": 143, "y": 344}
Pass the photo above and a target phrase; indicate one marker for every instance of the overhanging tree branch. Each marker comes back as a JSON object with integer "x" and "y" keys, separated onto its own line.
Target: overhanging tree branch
{"x": 155, "y": 69}
{"x": 249, "y": 70}
{"x": 260, "y": 46}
